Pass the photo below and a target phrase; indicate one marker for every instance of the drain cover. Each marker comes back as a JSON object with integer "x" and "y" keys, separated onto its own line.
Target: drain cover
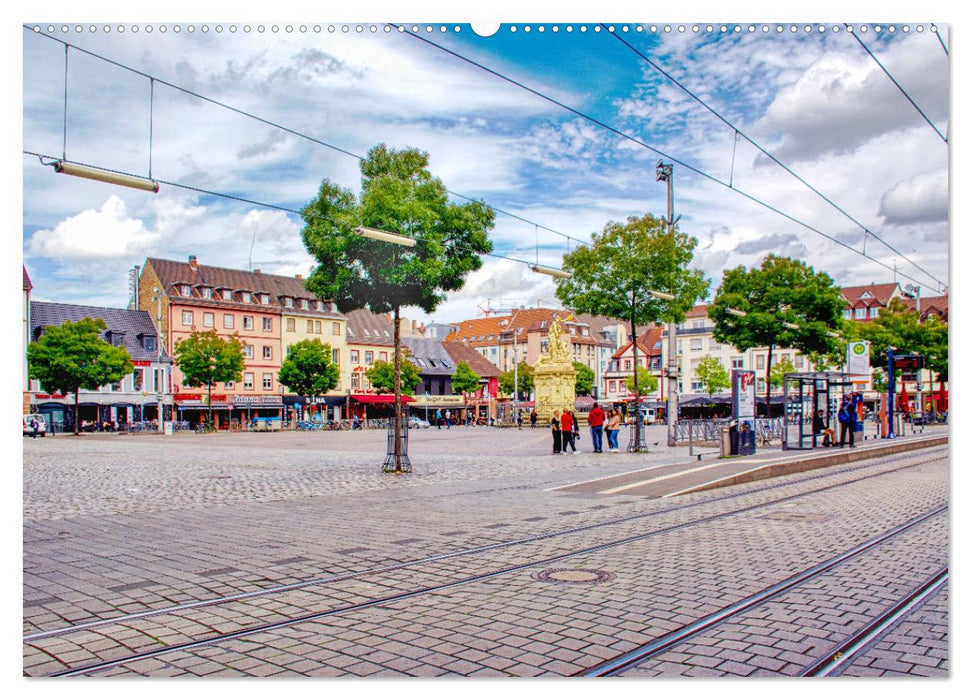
{"x": 573, "y": 576}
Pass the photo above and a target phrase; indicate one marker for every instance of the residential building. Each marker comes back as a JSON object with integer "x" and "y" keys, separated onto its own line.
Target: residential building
{"x": 863, "y": 303}
{"x": 135, "y": 397}
{"x": 621, "y": 367}
{"x": 26, "y": 339}
{"x": 482, "y": 402}
{"x": 232, "y": 303}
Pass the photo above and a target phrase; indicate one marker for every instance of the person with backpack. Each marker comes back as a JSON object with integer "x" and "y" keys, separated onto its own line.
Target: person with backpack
{"x": 595, "y": 419}
{"x": 847, "y": 421}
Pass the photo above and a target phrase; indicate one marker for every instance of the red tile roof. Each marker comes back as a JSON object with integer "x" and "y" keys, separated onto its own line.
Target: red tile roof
{"x": 463, "y": 352}
{"x": 881, "y": 293}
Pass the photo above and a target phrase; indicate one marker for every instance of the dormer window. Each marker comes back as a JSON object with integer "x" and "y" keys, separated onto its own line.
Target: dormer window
{"x": 246, "y": 297}
{"x": 206, "y": 292}
{"x": 304, "y": 304}
{"x": 228, "y": 294}
{"x": 115, "y": 338}
{"x": 288, "y": 302}
{"x": 264, "y": 298}
{"x": 185, "y": 290}
{"x": 148, "y": 343}
{"x": 320, "y": 306}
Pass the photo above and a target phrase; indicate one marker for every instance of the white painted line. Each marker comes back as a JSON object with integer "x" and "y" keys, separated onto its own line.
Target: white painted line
{"x": 657, "y": 479}
{"x": 606, "y": 478}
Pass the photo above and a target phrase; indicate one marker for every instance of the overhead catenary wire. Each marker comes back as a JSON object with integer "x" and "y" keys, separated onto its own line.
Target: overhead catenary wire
{"x": 649, "y": 147}
{"x": 739, "y": 133}
{"x": 894, "y": 81}
{"x": 267, "y": 122}
{"x": 245, "y": 200}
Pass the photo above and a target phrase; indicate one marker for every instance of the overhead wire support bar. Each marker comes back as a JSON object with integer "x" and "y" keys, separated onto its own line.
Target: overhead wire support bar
{"x": 637, "y": 141}
{"x": 739, "y": 133}
{"x": 894, "y": 81}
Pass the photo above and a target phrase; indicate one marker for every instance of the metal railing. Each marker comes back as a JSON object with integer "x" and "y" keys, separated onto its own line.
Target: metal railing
{"x": 768, "y": 430}
{"x": 700, "y": 431}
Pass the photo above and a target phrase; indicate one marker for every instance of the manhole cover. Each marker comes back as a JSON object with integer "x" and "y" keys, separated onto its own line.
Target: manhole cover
{"x": 573, "y": 576}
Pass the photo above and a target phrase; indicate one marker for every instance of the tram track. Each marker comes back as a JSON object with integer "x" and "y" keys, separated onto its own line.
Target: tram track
{"x": 380, "y": 601}
{"x": 470, "y": 551}
{"x": 836, "y": 658}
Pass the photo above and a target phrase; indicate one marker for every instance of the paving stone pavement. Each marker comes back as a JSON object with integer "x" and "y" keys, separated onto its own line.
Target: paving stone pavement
{"x": 221, "y": 515}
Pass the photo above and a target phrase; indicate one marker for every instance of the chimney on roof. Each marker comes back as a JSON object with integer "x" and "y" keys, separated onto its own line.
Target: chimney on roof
{"x": 257, "y": 271}
{"x": 192, "y": 262}
{"x": 299, "y": 277}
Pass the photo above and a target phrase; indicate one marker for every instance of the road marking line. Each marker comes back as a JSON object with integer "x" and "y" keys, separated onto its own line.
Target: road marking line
{"x": 618, "y": 489}
{"x": 605, "y": 478}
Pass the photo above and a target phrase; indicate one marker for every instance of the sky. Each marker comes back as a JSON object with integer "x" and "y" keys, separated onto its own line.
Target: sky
{"x": 816, "y": 101}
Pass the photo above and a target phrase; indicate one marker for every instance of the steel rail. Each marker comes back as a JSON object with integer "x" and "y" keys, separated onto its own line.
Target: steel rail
{"x": 310, "y": 617}
{"x": 627, "y": 660}
{"x": 839, "y": 658}
{"x": 263, "y": 592}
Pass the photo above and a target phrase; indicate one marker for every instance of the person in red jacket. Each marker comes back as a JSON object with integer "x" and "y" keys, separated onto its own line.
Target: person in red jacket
{"x": 566, "y": 432}
{"x": 596, "y": 419}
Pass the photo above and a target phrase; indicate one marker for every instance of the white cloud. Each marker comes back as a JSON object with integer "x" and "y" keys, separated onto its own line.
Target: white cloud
{"x": 923, "y": 198}
{"x": 108, "y": 232}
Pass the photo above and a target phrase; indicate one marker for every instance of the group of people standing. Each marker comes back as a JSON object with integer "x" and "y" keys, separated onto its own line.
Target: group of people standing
{"x": 566, "y": 430}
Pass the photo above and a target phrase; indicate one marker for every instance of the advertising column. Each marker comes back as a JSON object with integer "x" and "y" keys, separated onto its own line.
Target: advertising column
{"x": 743, "y": 411}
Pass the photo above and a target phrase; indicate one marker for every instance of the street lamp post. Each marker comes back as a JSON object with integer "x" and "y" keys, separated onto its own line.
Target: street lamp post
{"x": 665, "y": 173}
{"x": 157, "y": 296}
{"x": 515, "y": 375}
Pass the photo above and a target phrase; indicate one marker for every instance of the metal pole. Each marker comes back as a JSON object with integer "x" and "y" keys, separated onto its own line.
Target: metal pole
{"x": 159, "y": 372}
{"x": 515, "y": 375}
{"x": 672, "y": 332}
{"x": 890, "y": 391}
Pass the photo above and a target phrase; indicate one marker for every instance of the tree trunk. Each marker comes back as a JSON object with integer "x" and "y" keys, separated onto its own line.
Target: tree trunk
{"x": 768, "y": 383}
{"x": 397, "y": 389}
{"x": 77, "y": 422}
{"x": 209, "y": 401}
{"x": 637, "y": 386}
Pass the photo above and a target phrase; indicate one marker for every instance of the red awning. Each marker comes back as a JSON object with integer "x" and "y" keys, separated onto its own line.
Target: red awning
{"x": 379, "y": 398}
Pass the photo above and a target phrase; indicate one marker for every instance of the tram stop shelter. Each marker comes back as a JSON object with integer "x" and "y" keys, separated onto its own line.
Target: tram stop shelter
{"x": 805, "y": 393}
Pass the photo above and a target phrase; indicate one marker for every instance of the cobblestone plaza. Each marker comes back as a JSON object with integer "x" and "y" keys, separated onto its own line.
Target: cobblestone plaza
{"x": 116, "y": 526}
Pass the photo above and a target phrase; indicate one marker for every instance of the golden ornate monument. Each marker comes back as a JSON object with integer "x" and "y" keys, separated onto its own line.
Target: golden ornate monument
{"x": 554, "y": 376}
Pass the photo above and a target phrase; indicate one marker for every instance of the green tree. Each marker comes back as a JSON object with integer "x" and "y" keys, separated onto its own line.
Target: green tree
{"x": 204, "y": 358}
{"x": 507, "y": 380}
{"x": 712, "y": 375}
{"x": 465, "y": 381}
{"x": 73, "y": 356}
{"x": 780, "y": 291}
{"x": 398, "y": 195}
{"x": 645, "y": 381}
{"x": 780, "y": 370}
{"x": 584, "y": 381}
{"x": 384, "y": 376}
{"x": 308, "y": 369}
{"x": 616, "y": 274}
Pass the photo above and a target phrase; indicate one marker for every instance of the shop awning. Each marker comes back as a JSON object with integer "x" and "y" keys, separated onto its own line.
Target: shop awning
{"x": 383, "y": 399}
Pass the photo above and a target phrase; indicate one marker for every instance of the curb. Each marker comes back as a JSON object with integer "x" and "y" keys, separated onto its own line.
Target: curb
{"x": 768, "y": 471}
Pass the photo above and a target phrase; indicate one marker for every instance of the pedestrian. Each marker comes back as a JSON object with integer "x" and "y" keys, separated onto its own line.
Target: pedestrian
{"x": 576, "y": 428}
{"x": 519, "y": 419}
{"x": 613, "y": 430}
{"x": 847, "y": 421}
{"x": 595, "y": 419}
{"x": 557, "y": 435}
{"x": 566, "y": 431}
{"x": 532, "y": 418}
{"x": 34, "y": 426}
{"x": 820, "y": 428}
{"x": 438, "y": 418}
{"x": 448, "y": 419}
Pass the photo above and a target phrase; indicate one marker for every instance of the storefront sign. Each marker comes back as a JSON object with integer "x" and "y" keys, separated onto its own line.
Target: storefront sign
{"x": 450, "y": 400}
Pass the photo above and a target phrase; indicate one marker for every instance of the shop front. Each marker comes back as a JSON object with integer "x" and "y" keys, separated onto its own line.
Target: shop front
{"x": 316, "y": 409}
{"x": 369, "y": 406}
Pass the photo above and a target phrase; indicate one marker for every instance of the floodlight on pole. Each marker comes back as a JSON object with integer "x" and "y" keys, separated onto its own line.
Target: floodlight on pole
{"x": 551, "y": 271}
{"x": 661, "y": 295}
{"x": 790, "y": 326}
{"x": 736, "y": 312}
{"x": 85, "y": 171}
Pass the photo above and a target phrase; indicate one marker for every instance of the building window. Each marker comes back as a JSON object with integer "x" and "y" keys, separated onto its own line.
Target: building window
{"x": 874, "y": 311}
{"x": 696, "y": 343}
{"x": 247, "y": 323}
{"x": 383, "y": 356}
{"x": 335, "y": 355}
{"x": 138, "y": 379}
{"x": 761, "y": 386}
{"x": 760, "y": 362}
{"x": 268, "y": 382}
{"x": 288, "y": 302}
{"x": 228, "y": 321}
{"x": 248, "y": 352}
{"x": 787, "y": 358}
{"x": 697, "y": 324}
{"x": 267, "y": 352}
{"x": 847, "y": 313}
{"x": 317, "y": 328}
{"x": 247, "y": 297}
{"x": 738, "y": 363}
{"x": 335, "y": 328}
{"x": 613, "y": 386}
{"x": 304, "y": 304}
{"x": 799, "y": 361}
{"x": 267, "y": 324}
{"x": 148, "y": 342}
{"x": 264, "y": 298}
{"x": 714, "y": 344}
{"x": 355, "y": 357}
{"x": 207, "y": 293}
{"x": 248, "y": 380}
{"x": 368, "y": 357}
{"x": 291, "y": 325}
{"x": 628, "y": 365}
{"x": 355, "y": 381}
{"x": 186, "y": 318}
{"x": 861, "y": 312}
{"x": 116, "y": 386}
{"x": 208, "y": 319}
{"x": 229, "y": 386}
{"x": 310, "y": 326}
{"x": 185, "y": 290}
{"x": 159, "y": 381}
